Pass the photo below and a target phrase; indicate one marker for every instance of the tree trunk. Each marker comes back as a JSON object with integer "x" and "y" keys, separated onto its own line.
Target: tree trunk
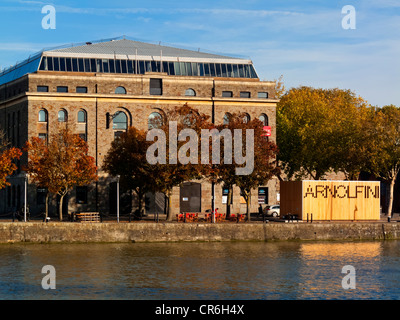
{"x": 47, "y": 206}
{"x": 228, "y": 203}
{"x": 169, "y": 215}
{"x": 391, "y": 192}
{"x": 60, "y": 206}
{"x": 247, "y": 198}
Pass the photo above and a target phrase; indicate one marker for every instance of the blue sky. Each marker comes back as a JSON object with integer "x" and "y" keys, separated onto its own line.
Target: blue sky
{"x": 302, "y": 40}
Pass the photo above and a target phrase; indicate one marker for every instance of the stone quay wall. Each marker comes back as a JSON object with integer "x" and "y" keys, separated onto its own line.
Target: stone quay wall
{"x": 66, "y": 232}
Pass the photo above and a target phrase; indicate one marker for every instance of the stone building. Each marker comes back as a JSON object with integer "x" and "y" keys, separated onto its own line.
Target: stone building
{"x": 103, "y": 87}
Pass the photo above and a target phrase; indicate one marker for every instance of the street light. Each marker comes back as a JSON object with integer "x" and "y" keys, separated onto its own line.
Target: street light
{"x": 25, "y": 194}
{"x": 118, "y": 176}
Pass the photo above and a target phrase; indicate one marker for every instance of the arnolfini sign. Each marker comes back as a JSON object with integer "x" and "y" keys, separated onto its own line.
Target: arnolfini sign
{"x": 331, "y": 200}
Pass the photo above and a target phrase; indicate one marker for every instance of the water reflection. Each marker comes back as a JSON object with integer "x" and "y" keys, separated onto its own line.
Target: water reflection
{"x": 235, "y": 270}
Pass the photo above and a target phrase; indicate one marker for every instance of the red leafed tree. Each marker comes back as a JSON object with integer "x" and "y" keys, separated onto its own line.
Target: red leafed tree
{"x": 7, "y": 156}
{"x": 61, "y": 164}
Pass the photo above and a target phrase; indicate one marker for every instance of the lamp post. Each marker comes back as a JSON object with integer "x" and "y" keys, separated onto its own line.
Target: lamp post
{"x": 25, "y": 194}
{"x": 118, "y": 176}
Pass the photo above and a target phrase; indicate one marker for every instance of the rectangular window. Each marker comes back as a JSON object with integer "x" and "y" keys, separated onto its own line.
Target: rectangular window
{"x": 43, "y": 136}
{"x": 206, "y": 69}
{"x": 62, "y": 64}
{"x": 177, "y": 68}
{"x": 56, "y": 64}
{"x": 112, "y": 65}
{"x": 50, "y": 63}
{"x": 201, "y": 69}
{"x": 74, "y": 65}
{"x": 81, "y": 195}
{"x": 123, "y": 66}
{"x": 105, "y": 65}
{"x": 218, "y": 69}
{"x": 81, "y": 65}
{"x": 142, "y": 69}
{"x": 229, "y": 70}
{"x": 99, "y": 66}
{"x": 245, "y": 94}
{"x": 68, "y": 63}
{"x": 241, "y": 71}
{"x": 83, "y": 136}
{"x": 165, "y": 67}
{"x": 156, "y": 87}
{"x": 171, "y": 68}
{"x": 93, "y": 67}
{"x": 41, "y": 196}
{"x": 227, "y": 94}
{"x": 212, "y": 69}
{"x": 87, "y": 65}
{"x": 117, "y": 66}
{"x": 223, "y": 67}
{"x": 42, "y": 89}
{"x": 263, "y": 95}
{"x": 235, "y": 71}
{"x": 62, "y": 89}
{"x": 130, "y": 66}
{"x": 81, "y": 89}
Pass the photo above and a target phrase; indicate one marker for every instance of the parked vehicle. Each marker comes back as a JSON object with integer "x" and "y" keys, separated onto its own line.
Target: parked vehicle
{"x": 272, "y": 211}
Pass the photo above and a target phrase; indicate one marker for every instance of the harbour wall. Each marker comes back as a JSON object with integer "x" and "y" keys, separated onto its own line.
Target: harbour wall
{"x": 55, "y": 232}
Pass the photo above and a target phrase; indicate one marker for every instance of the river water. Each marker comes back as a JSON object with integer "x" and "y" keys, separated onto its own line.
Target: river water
{"x": 218, "y": 270}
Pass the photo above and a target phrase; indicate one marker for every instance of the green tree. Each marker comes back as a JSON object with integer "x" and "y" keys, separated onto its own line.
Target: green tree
{"x": 383, "y": 131}
{"x": 320, "y": 131}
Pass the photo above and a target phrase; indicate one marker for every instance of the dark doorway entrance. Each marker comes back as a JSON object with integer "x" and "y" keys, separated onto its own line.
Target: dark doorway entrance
{"x": 155, "y": 203}
{"x": 190, "y": 197}
{"x": 125, "y": 200}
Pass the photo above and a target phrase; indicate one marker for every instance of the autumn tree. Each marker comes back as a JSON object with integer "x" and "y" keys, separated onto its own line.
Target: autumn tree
{"x": 320, "y": 131}
{"x": 61, "y": 164}
{"x": 127, "y": 158}
{"x": 175, "y": 151}
{"x": 383, "y": 133}
{"x": 254, "y": 162}
{"x": 8, "y": 155}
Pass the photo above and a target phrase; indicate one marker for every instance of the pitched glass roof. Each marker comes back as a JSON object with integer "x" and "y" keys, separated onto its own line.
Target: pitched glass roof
{"x": 131, "y": 57}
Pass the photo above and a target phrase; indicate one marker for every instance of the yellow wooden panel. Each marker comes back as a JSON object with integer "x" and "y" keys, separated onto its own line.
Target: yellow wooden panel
{"x": 341, "y": 200}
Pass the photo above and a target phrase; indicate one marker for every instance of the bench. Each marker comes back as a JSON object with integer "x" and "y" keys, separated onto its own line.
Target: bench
{"x": 88, "y": 217}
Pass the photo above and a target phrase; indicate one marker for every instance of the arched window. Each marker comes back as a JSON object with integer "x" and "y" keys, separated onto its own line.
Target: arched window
{"x": 263, "y": 118}
{"x": 120, "y": 121}
{"x": 190, "y": 92}
{"x": 82, "y": 118}
{"x": 246, "y": 118}
{"x": 42, "y": 115}
{"x": 62, "y": 116}
{"x": 227, "y": 118}
{"x": 120, "y": 90}
{"x": 155, "y": 120}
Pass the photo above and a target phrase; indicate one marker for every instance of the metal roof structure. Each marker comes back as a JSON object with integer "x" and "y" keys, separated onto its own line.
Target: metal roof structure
{"x": 125, "y": 50}
{"x": 124, "y": 47}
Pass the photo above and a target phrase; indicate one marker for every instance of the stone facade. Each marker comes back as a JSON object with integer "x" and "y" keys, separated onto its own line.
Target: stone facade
{"x": 20, "y": 103}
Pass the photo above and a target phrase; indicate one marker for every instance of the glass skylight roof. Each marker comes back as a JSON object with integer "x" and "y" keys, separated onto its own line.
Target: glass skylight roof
{"x": 132, "y": 57}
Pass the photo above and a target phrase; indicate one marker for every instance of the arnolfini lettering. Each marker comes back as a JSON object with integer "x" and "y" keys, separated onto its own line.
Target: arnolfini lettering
{"x": 341, "y": 191}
